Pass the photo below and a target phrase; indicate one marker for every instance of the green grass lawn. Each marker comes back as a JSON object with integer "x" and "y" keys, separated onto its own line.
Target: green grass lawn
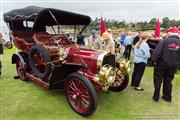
{"x": 27, "y": 101}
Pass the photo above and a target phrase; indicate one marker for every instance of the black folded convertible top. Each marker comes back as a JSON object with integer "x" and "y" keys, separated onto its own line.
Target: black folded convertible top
{"x": 29, "y": 13}
{"x": 43, "y": 16}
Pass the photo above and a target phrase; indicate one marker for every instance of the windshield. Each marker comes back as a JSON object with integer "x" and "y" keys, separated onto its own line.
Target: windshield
{"x": 72, "y": 31}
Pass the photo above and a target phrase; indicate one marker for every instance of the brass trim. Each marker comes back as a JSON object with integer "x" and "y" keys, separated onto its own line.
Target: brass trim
{"x": 100, "y": 59}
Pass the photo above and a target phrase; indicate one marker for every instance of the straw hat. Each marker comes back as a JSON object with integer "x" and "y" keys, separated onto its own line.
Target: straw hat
{"x": 109, "y": 30}
{"x": 105, "y": 35}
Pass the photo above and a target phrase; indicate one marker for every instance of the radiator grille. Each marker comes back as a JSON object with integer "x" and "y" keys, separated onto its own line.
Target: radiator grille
{"x": 109, "y": 59}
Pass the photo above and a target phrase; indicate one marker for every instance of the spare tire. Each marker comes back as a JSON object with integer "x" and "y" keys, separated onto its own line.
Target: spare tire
{"x": 40, "y": 62}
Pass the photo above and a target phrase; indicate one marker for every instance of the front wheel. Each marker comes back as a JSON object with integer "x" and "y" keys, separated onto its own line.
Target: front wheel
{"x": 81, "y": 94}
{"x": 120, "y": 83}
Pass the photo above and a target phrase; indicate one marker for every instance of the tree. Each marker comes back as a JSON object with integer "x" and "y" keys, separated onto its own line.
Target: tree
{"x": 153, "y": 21}
{"x": 136, "y": 26}
{"x": 172, "y": 22}
{"x": 165, "y": 22}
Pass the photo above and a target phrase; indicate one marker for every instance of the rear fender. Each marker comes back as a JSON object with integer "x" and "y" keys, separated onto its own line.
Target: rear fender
{"x": 17, "y": 56}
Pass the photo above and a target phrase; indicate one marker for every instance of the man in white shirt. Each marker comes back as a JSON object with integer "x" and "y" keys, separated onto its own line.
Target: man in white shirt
{"x": 128, "y": 45}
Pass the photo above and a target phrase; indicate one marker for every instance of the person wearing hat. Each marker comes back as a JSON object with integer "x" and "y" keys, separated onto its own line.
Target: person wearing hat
{"x": 1, "y": 49}
{"x": 109, "y": 46}
{"x": 95, "y": 41}
{"x": 166, "y": 57}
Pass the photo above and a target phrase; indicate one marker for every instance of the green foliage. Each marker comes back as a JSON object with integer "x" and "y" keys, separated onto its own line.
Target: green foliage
{"x": 153, "y": 21}
{"x": 136, "y": 26}
{"x": 165, "y": 22}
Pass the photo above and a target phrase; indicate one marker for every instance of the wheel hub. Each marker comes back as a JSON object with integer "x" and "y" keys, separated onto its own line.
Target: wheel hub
{"x": 76, "y": 95}
{"x": 118, "y": 80}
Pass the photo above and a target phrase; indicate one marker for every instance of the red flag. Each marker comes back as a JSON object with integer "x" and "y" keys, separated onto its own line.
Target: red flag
{"x": 102, "y": 26}
{"x": 157, "y": 29}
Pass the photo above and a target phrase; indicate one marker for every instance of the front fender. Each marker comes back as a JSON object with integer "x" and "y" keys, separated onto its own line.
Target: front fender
{"x": 60, "y": 73}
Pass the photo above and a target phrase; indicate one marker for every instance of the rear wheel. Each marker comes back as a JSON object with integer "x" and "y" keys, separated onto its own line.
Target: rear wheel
{"x": 120, "y": 83}
{"x": 9, "y": 45}
{"x": 21, "y": 70}
{"x": 81, "y": 94}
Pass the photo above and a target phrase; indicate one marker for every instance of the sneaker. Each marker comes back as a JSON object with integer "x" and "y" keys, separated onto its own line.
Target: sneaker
{"x": 138, "y": 89}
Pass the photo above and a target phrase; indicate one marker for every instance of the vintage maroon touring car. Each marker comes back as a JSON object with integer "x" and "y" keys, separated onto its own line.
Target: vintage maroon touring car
{"x": 55, "y": 62}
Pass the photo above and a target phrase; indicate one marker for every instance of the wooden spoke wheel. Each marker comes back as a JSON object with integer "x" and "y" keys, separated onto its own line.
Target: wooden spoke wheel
{"x": 120, "y": 83}
{"x": 81, "y": 94}
{"x": 21, "y": 70}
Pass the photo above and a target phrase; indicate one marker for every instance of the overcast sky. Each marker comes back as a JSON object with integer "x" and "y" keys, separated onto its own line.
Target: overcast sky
{"x": 129, "y": 10}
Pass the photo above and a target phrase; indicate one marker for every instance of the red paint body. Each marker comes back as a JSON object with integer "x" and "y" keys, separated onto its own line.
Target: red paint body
{"x": 87, "y": 57}
{"x": 21, "y": 44}
{"x": 75, "y": 55}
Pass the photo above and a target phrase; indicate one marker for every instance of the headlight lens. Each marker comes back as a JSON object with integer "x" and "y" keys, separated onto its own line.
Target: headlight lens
{"x": 111, "y": 79}
{"x": 62, "y": 53}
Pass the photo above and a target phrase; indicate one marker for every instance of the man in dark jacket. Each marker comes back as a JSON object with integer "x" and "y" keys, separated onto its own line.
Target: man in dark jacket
{"x": 136, "y": 39}
{"x": 166, "y": 58}
{"x": 80, "y": 40}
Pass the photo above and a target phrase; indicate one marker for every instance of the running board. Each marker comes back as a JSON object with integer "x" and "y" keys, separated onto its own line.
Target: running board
{"x": 37, "y": 80}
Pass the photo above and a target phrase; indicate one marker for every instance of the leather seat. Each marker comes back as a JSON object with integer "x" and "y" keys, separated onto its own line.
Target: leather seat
{"x": 42, "y": 38}
{"x": 23, "y": 35}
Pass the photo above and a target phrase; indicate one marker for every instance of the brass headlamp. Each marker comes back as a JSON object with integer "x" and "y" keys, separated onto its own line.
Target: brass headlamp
{"x": 124, "y": 66}
{"x": 106, "y": 76}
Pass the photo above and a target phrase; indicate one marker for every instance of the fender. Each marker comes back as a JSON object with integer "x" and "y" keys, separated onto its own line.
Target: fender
{"x": 59, "y": 74}
{"x": 16, "y": 56}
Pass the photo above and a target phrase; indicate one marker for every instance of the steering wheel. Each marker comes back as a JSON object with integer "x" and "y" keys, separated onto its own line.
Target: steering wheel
{"x": 56, "y": 39}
